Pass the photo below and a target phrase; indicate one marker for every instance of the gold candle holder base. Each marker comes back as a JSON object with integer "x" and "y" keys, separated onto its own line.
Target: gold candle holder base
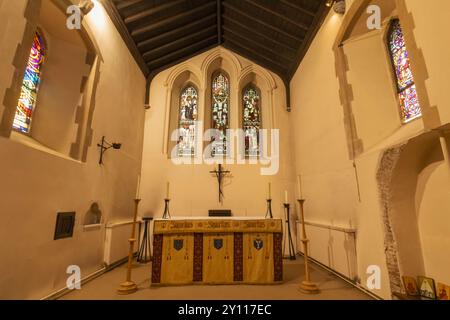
{"x": 309, "y": 287}
{"x": 306, "y": 286}
{"x": 127, "y": 287}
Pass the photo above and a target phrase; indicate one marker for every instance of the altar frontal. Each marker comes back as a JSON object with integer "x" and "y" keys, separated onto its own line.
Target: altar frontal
{"x": 217, "y": 251}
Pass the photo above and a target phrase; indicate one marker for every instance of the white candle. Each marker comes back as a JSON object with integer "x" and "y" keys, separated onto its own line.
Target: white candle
{"x": 167, "y": 191}
{"x": 285, "y": 197}
{"x": 270, "y": 194}
{"x": 299, "y": 185}
{"x": 138, "y": 186}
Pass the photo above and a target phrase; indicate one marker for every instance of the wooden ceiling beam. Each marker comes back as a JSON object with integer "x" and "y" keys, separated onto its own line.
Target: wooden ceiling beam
{"x": 317, "y": 22}
{"x": 169, "y": 20}
{"x": 250, "y": 17}
{"x": 262, "y": 46}
{"x": 123, "y": 31}
{"x": 219, "y": 22}
{"x": 297, "y": 7}
{"x": 268, "y": 65}
{"x": 148, "y": 12}
{"x": 126, "y": 4}
{"x": 174, "y": 62}
{"x": 179, "y": 53}
{"x": 261, "y": 34}
{"x": 172, "y": 34}
{"x": 176, "y": 43}
{"x": 256, "y": 53}
{"x": 277, "y": 14}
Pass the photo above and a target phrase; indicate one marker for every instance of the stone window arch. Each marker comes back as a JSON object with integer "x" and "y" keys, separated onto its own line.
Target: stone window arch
{"x": 251, "y": 120}
{"x": 64, "y": 104}
{"x": 404, "y": 79}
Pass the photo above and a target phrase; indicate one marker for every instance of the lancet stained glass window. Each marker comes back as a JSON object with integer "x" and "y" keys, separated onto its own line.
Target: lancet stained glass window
{"x": 220, "y": 113}
{"x": 251, "y": 120}
{"x": 187, "y": 122}
{"x": 30, "y": 86}
{"x": 409, "y": 101}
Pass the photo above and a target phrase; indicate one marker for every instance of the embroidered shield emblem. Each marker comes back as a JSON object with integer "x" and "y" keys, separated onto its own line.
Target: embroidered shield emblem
{"x": 178, "y": 244}
{"x": 218, "y": 243}
{"x": 258, "y": 244}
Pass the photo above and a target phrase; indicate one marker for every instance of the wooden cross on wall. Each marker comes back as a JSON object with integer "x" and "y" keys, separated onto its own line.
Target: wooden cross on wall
{"x": 220, "y": 174}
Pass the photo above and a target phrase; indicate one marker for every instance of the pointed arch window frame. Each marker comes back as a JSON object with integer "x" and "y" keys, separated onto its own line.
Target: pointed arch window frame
{"x": 31, "y": 83}
{"x": 187, "y": 86}
{"x": 244, "y": 91}
{"x": 226, "y": 141}
{"x": 406, "y": 92}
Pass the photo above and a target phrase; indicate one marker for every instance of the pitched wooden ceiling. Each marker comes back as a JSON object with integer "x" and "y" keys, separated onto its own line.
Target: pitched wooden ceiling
{"x": 272, "y": 33}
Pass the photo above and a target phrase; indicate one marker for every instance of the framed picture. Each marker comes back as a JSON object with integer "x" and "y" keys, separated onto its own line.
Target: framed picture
{"x": 410, "y": 286}
{"x": 443, "y": 291}
{"x": 427, "y": 287}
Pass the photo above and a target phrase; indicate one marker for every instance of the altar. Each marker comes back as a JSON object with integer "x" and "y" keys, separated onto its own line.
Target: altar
{"x": 217, "y": 251}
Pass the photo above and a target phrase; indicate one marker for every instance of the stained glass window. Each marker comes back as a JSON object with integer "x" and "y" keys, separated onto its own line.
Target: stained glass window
{"x": 251, "y": 120}
{"x": 30, "y": 86}
{"x": 187, "y": 122}
{"x": 409, "y": 101}
{"x": 220, "y": 113}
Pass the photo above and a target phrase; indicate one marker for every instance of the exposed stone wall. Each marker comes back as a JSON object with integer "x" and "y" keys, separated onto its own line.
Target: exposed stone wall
{"x": 385, "y": 172}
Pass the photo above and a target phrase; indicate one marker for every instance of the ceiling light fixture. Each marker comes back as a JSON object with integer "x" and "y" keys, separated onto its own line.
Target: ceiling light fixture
{"x": 338, "y": 5}
{"x": 86, "y": 6}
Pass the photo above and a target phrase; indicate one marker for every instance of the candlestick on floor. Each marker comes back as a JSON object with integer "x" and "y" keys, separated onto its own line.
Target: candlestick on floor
{"x": 288, "y": 234}
{"x": 306, "y": 286}
{"x": 129, "y": 286}
{"x": 166, "y": 214}
{"x": 269, "y": 214}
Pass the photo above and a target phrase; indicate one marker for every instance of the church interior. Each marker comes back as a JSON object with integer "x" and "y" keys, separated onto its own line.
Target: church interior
{"x": 224, "y": 149}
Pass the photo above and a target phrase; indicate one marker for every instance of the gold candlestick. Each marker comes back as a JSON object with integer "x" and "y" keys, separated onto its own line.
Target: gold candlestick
{"x": 306, "y": 286}
{"x": 129, "y": 286}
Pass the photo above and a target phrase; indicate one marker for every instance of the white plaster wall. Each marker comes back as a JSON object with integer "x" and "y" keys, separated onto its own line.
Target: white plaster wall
{"x": 433, "y": 207}
{"x": 321, "y": 154}
{"x": 59, "y": 94}
{"x": 374, "y": 93}
{"x": 431, "y": 22}
{"x": 192, "y": 188}
{"x": 35, "y": 185}
{"x": 12, "y": 25}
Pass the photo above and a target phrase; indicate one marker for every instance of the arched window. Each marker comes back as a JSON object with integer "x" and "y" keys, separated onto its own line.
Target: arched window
{"x": 220, "y": 113}
{"x": 187, "y": 122}
{"x": 407, "y": 93}
{"x": 30, "y": 86}
{"x": 251, "y": 120}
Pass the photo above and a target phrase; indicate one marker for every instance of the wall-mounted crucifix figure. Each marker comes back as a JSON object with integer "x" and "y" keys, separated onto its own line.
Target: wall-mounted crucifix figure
{"x": 220, "y": 174}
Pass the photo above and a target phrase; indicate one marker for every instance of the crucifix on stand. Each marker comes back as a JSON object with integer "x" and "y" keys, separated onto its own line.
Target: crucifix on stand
{"x": 220, "y": 174}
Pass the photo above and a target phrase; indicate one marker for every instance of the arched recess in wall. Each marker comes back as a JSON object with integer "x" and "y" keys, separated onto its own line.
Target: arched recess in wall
{"x": 267, "y": 84}
{"x": 183, "y": 79}
{"x": 398, "y": 175}
{"x": 218, "y": 62}
{"x": 400, "y": 166}
{"x": 66, "y": 98}
{"x": 214, "y": 61}
{"x": 264, "y": 84}
{"x": 361, "y": 53}
{"x": 220, "y": 58}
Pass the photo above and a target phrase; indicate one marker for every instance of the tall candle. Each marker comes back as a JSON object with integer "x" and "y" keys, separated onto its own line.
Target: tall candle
{"x": 285, "y": 197}
{"x": 138, "y": 186}
{"x": 299, "y": 185}
{"x": 167, "y": 191}
{"x": 270, "y": 193}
